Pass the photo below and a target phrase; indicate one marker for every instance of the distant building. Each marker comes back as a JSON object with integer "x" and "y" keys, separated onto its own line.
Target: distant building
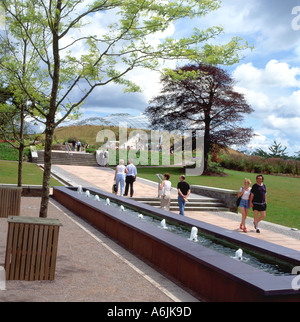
{"x": 134, "y": 122}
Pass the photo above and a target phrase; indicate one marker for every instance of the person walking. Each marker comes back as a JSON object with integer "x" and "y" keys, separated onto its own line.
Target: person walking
{"x": 78, "y": 145}
{"x": 130, "y": 178}
{"x": 120, "y": 176}
{"x": 244, "y": 194}
{"x": 73, "y": 144}
{"x": 258, "y": 201}
{"x": 165, "y": 188}
{"x": 184, "y": 191}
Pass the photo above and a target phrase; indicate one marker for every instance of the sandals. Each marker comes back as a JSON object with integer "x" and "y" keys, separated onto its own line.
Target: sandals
{"x": 244, "y": 229}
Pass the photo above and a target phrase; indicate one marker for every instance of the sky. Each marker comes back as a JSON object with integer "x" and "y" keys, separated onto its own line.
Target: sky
{"x": 268, "y": 75}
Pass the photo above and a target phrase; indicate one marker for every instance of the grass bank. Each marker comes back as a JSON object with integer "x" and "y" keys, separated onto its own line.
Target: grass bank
{"x": 32, "y": 174}
{"x": 283, "y": 192}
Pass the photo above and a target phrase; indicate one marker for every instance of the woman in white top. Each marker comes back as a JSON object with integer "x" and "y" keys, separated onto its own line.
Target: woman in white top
{"x": 165, "y": 188}
{"x": 120, "y": 176}
{"x": 244, "y": 204}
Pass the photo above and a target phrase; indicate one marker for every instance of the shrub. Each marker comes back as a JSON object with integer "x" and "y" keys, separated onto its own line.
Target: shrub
{"x": 258, "y": 164}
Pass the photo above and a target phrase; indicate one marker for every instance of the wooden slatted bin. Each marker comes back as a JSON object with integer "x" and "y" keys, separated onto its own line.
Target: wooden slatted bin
{"x": 10, "y": 201}
{"x": 31, "y": 248}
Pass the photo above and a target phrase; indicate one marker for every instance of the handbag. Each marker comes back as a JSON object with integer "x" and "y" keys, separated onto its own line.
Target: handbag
{"x": 238, "y": 201}
{"x": 114, "y": 188}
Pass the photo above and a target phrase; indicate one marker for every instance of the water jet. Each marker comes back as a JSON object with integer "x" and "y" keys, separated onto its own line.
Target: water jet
{"x": 211, "y": 275}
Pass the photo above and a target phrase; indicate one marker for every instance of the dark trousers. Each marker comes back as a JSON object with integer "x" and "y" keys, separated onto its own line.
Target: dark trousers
{"x": 129, "y": 182}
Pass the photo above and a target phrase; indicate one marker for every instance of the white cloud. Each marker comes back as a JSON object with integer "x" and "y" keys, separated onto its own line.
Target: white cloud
{"x": 273, "y": 89}
{"x": 275, "y": 74}
{"x": 274, "y": 93}
{"x": 285, "y": 125}
{"x": 268, "y": 23}
{"x": 259, "y": 141}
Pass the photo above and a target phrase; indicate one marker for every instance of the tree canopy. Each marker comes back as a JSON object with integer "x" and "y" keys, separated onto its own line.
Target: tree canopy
{"x": 201, "y": 97}
{"x": 67, "y": 60}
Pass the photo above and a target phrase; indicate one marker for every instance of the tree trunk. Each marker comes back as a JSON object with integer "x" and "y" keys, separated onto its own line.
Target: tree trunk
{"x": 206, "y": 143}
{"x": 47, "y": 171}
{"x": 20, "y": 165}
{"x": 50, "y": 122}
{"x": 206, "y": 153}
{"x": 21, "y": 147}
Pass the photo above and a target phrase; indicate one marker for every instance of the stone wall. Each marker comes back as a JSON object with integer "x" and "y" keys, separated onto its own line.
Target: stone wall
{"x": 228, "y": 197}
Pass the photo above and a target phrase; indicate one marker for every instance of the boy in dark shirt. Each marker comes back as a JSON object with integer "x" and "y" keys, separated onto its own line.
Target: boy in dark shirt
{"x": 183, "y": 192}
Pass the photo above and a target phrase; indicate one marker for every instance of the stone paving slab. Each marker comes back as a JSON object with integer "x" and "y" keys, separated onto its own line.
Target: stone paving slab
{"x": 90, "y": 267}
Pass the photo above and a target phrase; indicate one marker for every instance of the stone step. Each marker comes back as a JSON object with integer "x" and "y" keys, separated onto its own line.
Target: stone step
{"x": 63, "y": 158}
{"x": 188, "y": 204}
{"x": 202, "y": 209}
{"x": 200, "y": 199}
{"x": 194, "y": 204}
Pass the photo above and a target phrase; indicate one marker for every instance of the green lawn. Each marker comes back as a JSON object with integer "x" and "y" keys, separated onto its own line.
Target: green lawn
{"x": 32, "y": 174}
{"x": 283, "y": 192}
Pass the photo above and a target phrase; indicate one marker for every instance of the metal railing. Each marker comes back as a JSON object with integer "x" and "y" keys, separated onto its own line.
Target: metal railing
{"x": 160, "y": 179}
{"x": 69, "y": 151}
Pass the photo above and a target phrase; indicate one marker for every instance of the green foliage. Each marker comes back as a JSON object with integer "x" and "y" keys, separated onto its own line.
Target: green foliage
{"x": 32, "y": 174}
{"x": 256, "y": 164}
{"x": 276, "y": 151}
{"x": 7, "y": 152}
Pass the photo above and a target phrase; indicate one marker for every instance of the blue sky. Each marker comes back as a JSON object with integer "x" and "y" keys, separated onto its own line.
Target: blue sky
{"x": 269, "y": 75}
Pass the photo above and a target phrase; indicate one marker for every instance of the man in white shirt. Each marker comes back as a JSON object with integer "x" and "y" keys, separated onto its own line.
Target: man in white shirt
{"x": 130, "y": 177}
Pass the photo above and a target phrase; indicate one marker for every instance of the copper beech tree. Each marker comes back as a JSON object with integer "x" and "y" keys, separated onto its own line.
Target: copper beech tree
{"x": 201, "y": 97}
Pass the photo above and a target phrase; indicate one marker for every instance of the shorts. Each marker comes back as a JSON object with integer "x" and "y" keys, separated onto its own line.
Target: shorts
{"x": 259, "y": 206}
{"x": 244, "y": 204}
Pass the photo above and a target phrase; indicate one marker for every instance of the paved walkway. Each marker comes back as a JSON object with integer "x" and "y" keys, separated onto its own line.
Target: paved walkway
{"x": 90, "y": 267}
{"x": 103, "y": 178}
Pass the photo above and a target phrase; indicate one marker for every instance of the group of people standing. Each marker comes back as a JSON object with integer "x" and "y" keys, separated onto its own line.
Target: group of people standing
{"x": 254, "y": 197}
{"x": 77, "y": 144}
{"x": 183, "y": 189}
{"x": 125, "y": 174}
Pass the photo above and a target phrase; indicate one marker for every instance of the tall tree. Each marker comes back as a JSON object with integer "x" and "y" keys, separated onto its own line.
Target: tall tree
{"x": 261, "y": 153}
{"x": 201, "y": 97}
{"x": 19, "y": 61}
{"x": 12, "y": 117}
{"x": 277, "y": 151}
{"x": 56, "y": 32}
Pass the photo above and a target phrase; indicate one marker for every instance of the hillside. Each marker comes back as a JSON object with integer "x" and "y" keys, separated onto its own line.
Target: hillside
{"x": 85, "y": 133}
